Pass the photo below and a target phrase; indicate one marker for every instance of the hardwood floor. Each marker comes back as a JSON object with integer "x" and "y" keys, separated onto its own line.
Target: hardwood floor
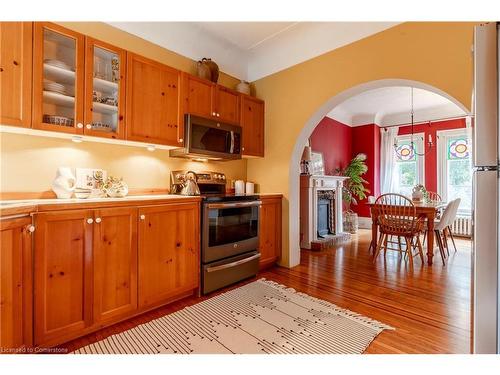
{"x": 430, "y": 308}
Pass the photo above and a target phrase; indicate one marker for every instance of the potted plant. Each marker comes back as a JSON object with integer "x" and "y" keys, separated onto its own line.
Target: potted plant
{"x": 354, "y": 189}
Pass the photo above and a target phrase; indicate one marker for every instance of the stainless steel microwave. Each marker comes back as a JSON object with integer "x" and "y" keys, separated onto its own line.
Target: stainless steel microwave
{"x": 209, "y": 139}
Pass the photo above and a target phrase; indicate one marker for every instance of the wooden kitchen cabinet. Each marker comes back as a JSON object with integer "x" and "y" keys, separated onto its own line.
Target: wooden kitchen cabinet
{"x": 62, "y": 275}
{"x": 270, "y": 231}
{"x": 153, "y": 101}
{"x": 58, "y": 78}
{"x": 197, "y": 96}
{"x": 15, "y": 283}
{"x": 105, "y": 71}
{"x": 252, "y": 122}
{"x": 115, "y": 263}
{"x": 16, "y": 41}
{"x": 169, "y": 249}
{"x": 206, "y": 99}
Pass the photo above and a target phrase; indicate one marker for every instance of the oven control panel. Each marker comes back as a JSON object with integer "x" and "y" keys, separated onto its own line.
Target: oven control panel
{"x": 205, "y": 177}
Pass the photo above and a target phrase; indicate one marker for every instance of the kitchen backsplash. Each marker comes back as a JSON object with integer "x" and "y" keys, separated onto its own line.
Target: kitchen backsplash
{"x": 29, "y": 163}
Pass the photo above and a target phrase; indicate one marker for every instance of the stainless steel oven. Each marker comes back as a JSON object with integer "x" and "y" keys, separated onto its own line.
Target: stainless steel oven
{"x": 209, "y": 139}
{"x": 229, "y": 228}
{"x": 230, "y": 241}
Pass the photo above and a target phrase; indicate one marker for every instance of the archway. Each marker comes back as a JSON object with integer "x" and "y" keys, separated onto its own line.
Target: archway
{"x": 305, "y": 133}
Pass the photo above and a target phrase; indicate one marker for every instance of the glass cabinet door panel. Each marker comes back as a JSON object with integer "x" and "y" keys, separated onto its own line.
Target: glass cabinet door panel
{"x": 58, "y": 83}
{"x": 104, "y": 90}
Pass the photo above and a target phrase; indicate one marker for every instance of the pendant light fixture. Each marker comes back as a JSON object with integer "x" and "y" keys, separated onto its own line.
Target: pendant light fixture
{"x": 413, "y": 147}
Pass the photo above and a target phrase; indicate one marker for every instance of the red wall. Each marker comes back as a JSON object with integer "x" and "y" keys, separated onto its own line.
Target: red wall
{"x": 430, "y": 165}
{"x": 366, "y": 140}
{"x": 339, "y": 143}
{"x": 334, "y": 140}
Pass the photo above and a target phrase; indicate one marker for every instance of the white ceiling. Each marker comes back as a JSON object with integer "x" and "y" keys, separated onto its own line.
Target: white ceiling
{"x": 391, "y": 106}
{"x": 252, "y": 50}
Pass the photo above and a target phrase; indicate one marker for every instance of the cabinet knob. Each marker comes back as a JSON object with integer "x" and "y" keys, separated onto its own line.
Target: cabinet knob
{"x": 243, "y": 149}
{"x": 79, "y": 125}
{"x": 15, "y": 62}
{"x": 98, "y": 220}
{"x": 31, "y": 228}
{"x": 90, "y": 221}
{"x": 88, "y": 126}
{"x": 181, "y": 140}
{"x": 143, "y": 217}
{"x": 214, "y": 114}
{"x": 218, "y": 115}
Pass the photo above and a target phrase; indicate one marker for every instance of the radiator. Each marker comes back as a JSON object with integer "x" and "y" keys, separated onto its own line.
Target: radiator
{"x": 462, "y": 226}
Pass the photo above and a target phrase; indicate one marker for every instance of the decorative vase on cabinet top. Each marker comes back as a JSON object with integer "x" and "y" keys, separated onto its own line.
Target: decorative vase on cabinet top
{"x": 212, "y": 67}
{"x": 64, "y": 184}
{"x": 243, "y": 87}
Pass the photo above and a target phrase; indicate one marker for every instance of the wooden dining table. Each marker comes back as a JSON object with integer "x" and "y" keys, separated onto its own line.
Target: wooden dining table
{"x": 427, "y": 210}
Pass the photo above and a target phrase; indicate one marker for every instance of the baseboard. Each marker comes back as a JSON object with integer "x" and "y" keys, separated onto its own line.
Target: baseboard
{"x": 365, "y": 222}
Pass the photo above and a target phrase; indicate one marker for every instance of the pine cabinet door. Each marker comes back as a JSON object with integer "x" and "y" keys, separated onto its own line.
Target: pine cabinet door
{"x": 15, "y": 283}
{"x": 153, "y": 101}
{"x": 168, "y": 252}
{"x": 252, "y": 122}
{"x": 197, "y": 96}
{"x": 227, "y": 105}
{"x": 115, "y": 263}
{"x": 58, "y": 78}
{"x": 16, "y": 39}
{"x": 63, "y": 275}
{"x": 270, "y": 231}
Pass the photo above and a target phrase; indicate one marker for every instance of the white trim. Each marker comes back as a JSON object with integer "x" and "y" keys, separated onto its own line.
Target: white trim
{"x": 365, "y": 222}
{"x": 441, "y": 165}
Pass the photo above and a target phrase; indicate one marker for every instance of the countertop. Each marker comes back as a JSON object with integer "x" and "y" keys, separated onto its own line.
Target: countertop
{"x": 26, "y": 206}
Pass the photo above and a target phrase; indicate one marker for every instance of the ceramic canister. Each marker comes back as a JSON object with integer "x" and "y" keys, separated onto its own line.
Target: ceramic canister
{"x": 249, "y": 188}
{"x": 239, "y": 187}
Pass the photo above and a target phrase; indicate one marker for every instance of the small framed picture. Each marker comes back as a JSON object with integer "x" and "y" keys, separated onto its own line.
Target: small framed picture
{"x": 317, "y": 164}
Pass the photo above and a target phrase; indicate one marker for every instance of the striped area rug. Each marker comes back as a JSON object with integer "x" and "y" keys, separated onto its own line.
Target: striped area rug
{"x": 259, "y": 317}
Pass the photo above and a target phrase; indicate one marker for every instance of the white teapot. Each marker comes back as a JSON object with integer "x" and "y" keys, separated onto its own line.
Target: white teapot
{"x": 64, "y": 184}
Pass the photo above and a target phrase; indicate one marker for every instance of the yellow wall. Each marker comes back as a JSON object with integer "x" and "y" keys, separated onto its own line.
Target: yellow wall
{"x": 438, "y": 54}
{"x": 29, "y": 163}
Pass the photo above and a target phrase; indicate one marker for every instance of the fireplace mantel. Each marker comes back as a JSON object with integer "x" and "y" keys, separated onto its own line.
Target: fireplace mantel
{"x": 309, "y": 187}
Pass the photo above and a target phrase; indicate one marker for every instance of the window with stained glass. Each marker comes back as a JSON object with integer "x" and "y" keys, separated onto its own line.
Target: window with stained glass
{"x": 459, "y": 170}
{"x": 408, "y": 170}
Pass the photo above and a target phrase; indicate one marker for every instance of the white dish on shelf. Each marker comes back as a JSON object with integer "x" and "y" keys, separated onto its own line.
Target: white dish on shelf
{"x": 58, "y": 99}
{"x": 58, "y": 63}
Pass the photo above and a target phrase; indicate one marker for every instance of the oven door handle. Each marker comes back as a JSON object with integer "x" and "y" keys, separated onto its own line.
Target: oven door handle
{"x": 234, "y": 205}
{"x": 233, "y": 264}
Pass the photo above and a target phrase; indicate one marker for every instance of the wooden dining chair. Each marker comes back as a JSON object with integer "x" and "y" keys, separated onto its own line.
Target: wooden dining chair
{"x": 432, "y": 196}
{"x": 398, "y": 217}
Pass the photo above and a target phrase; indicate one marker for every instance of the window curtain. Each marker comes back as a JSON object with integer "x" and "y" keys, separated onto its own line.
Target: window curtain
{"x": 387, "y": 159}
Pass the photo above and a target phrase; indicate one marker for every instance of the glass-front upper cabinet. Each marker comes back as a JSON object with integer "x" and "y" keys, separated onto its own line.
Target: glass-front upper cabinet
{"x": 104, "y": 89}
{"x": 58, "y": 78}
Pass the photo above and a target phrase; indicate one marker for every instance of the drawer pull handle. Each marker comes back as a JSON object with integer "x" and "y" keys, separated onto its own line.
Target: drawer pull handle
{"x": 97, "y": 220}
{"x": 143, "y": 217}
{"x": 90, "y": 221}
{"x": 233, "y": 264}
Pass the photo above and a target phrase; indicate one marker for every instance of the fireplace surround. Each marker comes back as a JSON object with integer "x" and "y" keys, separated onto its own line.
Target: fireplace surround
{"x": 314, "y": 189}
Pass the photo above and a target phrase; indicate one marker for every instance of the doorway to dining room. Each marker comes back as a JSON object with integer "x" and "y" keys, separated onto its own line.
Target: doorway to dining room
{"x": 433, "y": 150}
